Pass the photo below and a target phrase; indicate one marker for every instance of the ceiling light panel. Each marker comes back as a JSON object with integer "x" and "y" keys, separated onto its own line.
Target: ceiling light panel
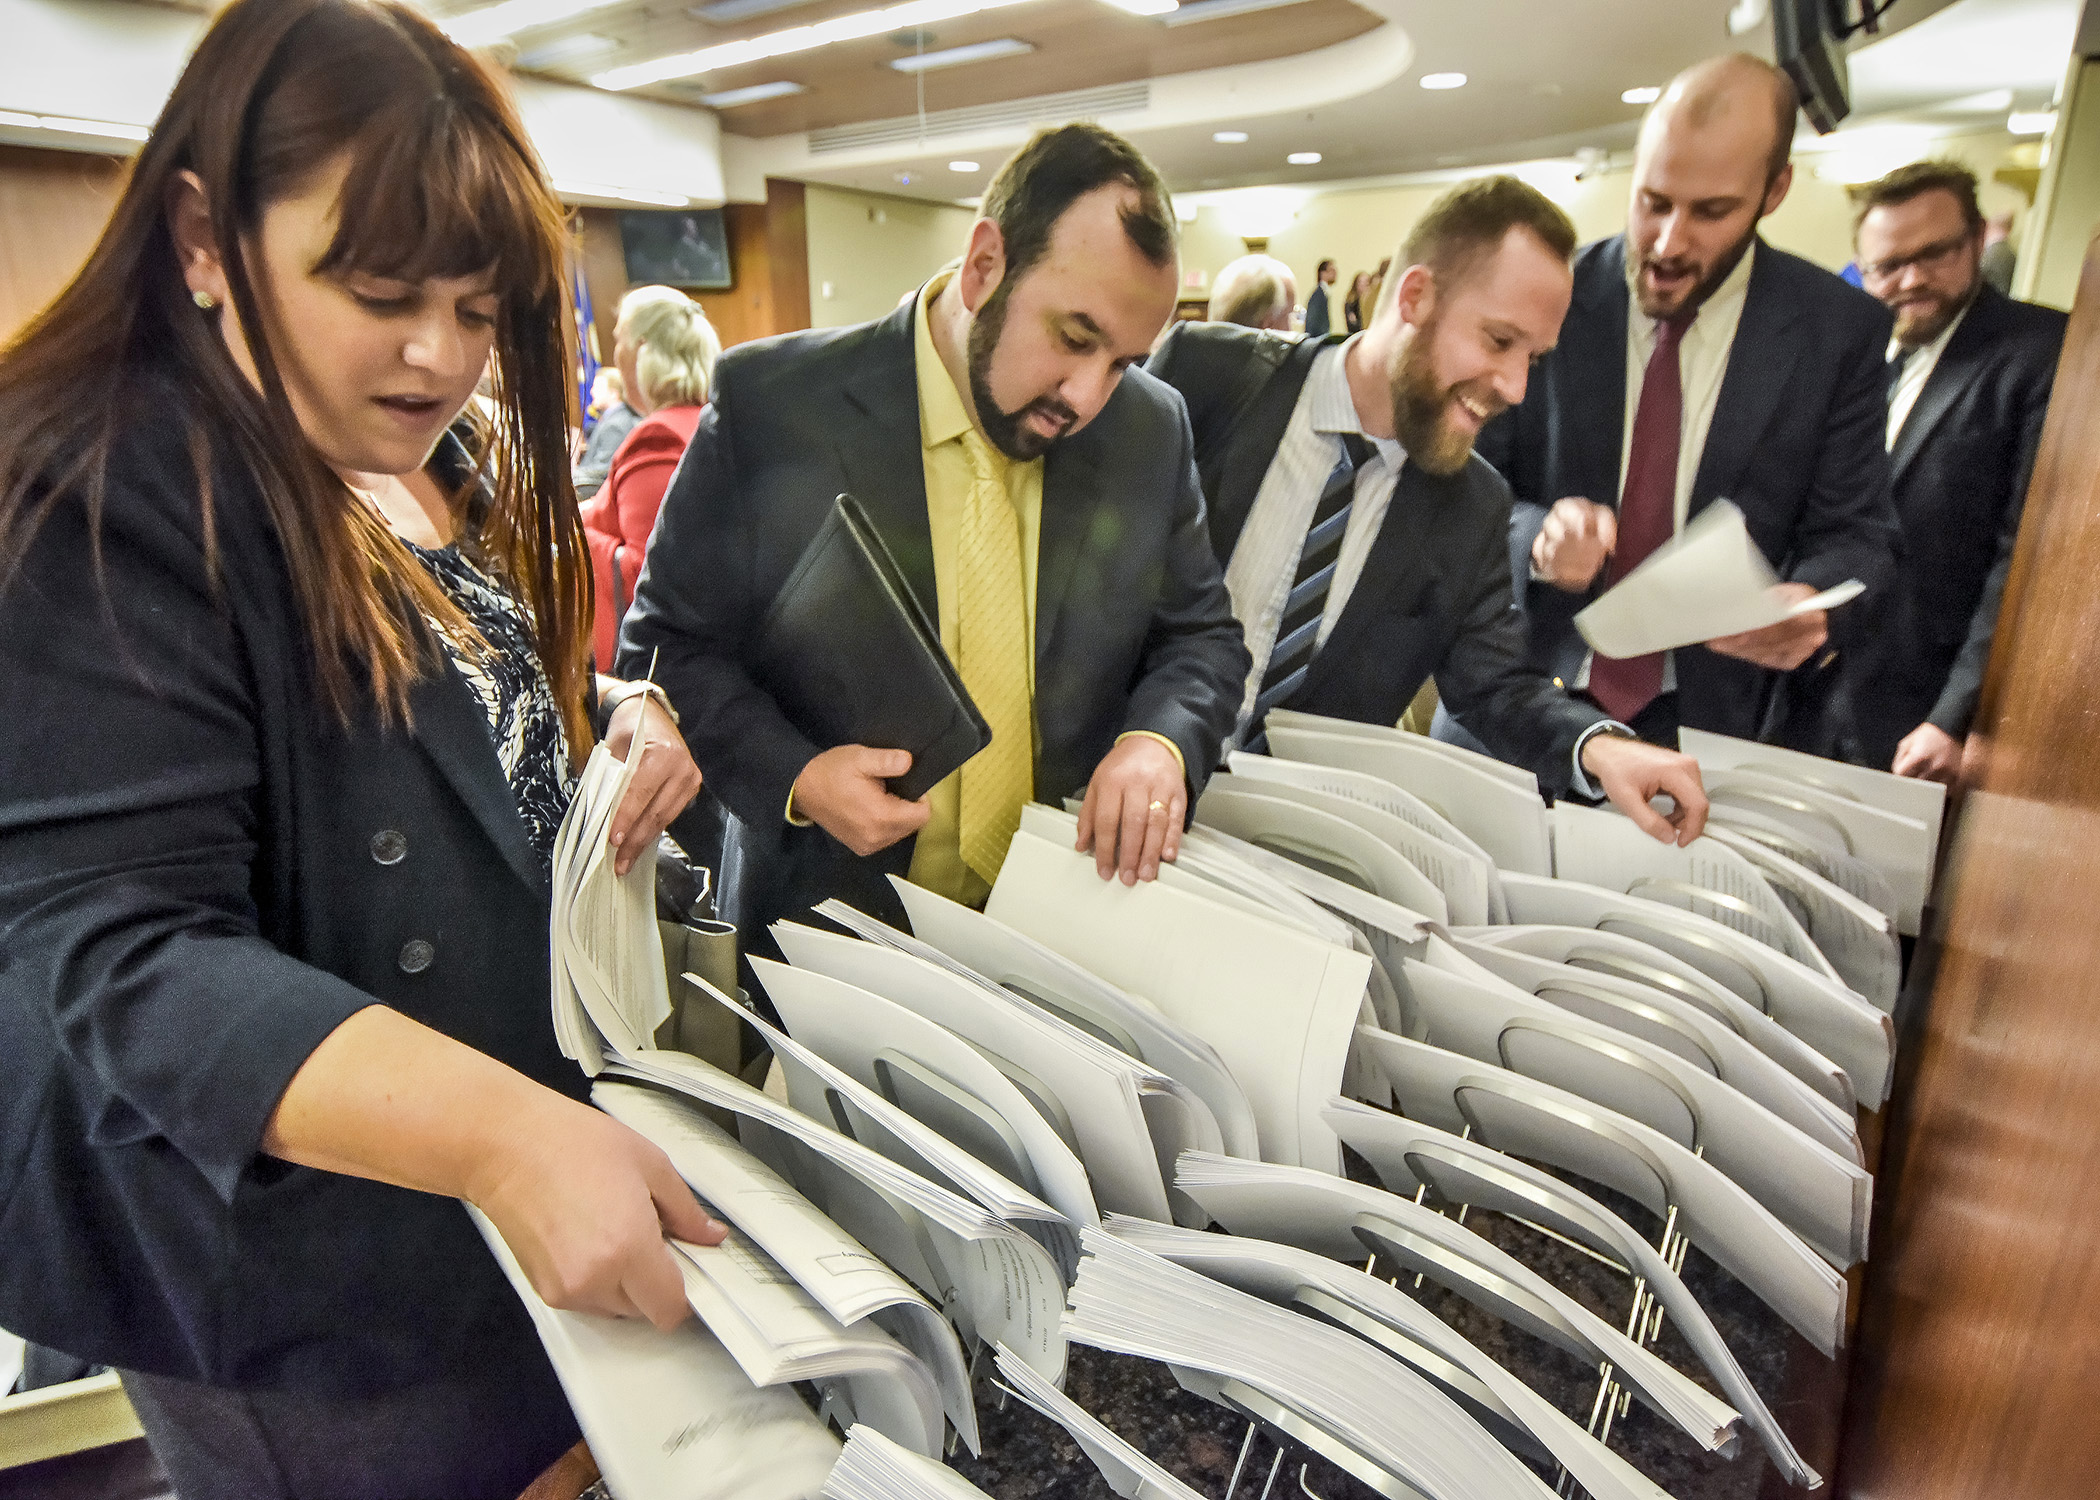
{"x": 1147, "y": 7}
{"x": 729, "y": 12}
{"x": 1229, "y": 137}
{"x": 1192, "y": 11}
{"x": 1303, "y": 158}
{"x": 1443, "y": 80}
{"x": 567, "y": 49}
{"x": 866, "y": 23}
{"x": 758, "y": 93}
{"x": 492, "y": 23}
{"x": 955, "y": 57}
{"x": 962, "y": 166}
{"x": 1647, "y": 93}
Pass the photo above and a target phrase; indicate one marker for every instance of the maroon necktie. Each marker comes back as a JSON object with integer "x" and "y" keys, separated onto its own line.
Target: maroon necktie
{"x": 1647, "y": 513}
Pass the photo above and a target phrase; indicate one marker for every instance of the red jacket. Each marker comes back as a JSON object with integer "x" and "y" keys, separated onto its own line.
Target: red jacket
{"x": 619, "y": 518}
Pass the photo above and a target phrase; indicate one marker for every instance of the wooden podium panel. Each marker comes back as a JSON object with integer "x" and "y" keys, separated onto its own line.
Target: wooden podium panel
{"x": 1976, "y": 1374}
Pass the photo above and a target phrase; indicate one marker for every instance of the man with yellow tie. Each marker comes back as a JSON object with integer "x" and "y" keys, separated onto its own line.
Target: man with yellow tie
{"x": 1037, "y": 490}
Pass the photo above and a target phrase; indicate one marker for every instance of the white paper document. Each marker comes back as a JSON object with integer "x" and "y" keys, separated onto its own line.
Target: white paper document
{"x": 1464, "y": 1008}
{"x": 1503, "y": 816}
{"x": 1310, "y": 830}
{"x": 1708, "y": 581}
{"x": 1407, "y": 1156}
{"x": 1858, "y": 940}
{"x": 1278, "y": 1006}
{"x": 1325, "y": 1214}
{"x": 1086, "y": 1090}
{"x": 874, "y": 1468}
{"x": 1522, "y": 1117}
{"x": 1129, "y": 1301}
{"x": 1681, "y": 988}
{"x": 849, "y": 1283}
{"x": 670, "y": 1413}
{"x": 1209, "y": 1100}
{"x": 1819, "y": 1010}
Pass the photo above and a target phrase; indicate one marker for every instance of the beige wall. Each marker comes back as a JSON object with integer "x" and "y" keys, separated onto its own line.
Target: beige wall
{"x": 2068, "y": 207}
{"x": 869, "y": 250}
{"x": 1359, "y": 227}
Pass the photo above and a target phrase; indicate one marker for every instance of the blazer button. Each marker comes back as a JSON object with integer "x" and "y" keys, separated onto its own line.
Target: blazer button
{"x": 416, "y": 956}
{"x": 389, "y": 847}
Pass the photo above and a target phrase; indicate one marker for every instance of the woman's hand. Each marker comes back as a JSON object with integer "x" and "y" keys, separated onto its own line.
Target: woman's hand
{"x": 664, "y": 783}
{"x": 583, "y": 1202}
{"x": 586, "y": 1206}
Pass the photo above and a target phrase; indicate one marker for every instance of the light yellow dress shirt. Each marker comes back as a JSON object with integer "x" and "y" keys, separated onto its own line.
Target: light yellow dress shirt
{"x": 936, "y": 860}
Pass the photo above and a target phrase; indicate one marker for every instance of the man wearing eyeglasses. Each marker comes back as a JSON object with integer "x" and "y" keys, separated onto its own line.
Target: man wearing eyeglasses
{"x": 1697, "y": 363}
{"x": 1968, "y": 379}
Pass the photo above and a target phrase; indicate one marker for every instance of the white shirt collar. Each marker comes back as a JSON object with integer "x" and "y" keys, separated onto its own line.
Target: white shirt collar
{"x": 1333, "y": 408}
{"x": 1939, "y": 340}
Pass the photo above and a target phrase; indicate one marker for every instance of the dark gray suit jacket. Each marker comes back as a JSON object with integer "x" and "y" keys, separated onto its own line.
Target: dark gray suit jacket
{"x": 1798, "y": 442}
{"x": 1961, "y": 465}
{"x": 1133, "y": 626}
{"x": 1434, "y": 597}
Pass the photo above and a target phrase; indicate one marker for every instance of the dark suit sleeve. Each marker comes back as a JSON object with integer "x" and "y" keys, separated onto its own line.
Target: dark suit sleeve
{"x": 1515, "y": 710}
{"x": 1956, "y": 708}
{"x": 1194, "y": 668}
{"x": 695, "y": 610}
{"x": 128, "y": 834}
{"x": 1847, "y": 523}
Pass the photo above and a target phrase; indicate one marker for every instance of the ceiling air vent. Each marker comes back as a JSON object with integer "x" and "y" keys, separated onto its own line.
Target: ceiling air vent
{"x": 1041, "y": 109}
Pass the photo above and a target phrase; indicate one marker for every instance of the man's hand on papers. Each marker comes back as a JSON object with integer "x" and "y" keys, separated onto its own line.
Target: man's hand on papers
{"x": 1786, "y": 645}
{"x": 1571, "y": 546}
{"x": 1630, "y": 772}
{"x": 842, "y": 791}
{"x": 1929, "y": 753}
{"x": 586, "y": 1205}
{"x": 664, "y": 783}
{"x": 1133, "y": 811}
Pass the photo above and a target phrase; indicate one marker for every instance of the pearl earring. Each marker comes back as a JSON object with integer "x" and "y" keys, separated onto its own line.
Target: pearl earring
{"x": 204, "y": 300}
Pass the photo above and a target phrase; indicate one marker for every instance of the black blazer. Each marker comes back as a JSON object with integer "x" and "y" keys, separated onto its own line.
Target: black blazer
{"x": 1133, "y": 626}
{"x": 1798, "y": 441}
{"x": 1434, "y": 597}
{"x": 1961, "y": 465}
{"x": 202, "y": 874}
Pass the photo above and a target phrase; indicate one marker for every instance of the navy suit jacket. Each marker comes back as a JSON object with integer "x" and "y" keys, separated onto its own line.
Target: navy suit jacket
{"x": 1798, "y": 442}
{"x": 1134, "y": 629}
{"x": 202, "y": 874}
{"x": 1961, "y": 466}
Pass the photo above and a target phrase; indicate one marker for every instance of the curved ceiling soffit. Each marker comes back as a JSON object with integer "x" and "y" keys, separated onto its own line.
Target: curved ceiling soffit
{"x": 1237, "y": 92}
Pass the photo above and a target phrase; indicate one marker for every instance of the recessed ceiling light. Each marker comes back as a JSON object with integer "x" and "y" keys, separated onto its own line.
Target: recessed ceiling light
{"x": 2019, "y": 122}
{"x": 962, "y": 166}
{"x": 756, "y": 93}
{"x": 1647, "y": 93}
{"x": 1146, "y": 7}
{"x": 1303, "y": 158}
{"x": 1443, "y": 80}
{"x": 953, "y": 57}
{"x": 1229, "y": 137}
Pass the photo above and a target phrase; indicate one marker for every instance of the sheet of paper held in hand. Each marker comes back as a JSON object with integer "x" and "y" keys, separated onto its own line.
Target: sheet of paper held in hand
{"x": 1708, "y": 581}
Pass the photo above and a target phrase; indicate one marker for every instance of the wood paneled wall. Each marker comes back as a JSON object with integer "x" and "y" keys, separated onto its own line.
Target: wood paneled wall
{"x": 53, "y": 205}
{"x": 768, "y": 257}
{"x": 1978, "y": 1358}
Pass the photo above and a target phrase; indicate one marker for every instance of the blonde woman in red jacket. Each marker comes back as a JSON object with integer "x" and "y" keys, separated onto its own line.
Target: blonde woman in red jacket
{"x": 666, "y": 350}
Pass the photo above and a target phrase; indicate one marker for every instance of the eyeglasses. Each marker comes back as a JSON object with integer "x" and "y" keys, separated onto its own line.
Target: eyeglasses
{"x": 1929, "y": 259}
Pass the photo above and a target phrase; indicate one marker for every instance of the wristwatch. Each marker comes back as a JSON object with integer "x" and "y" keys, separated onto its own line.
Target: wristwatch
{"x": 613, "y": 697}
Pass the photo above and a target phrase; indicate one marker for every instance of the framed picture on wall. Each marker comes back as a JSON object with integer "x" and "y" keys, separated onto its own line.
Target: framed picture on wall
{"x": 685, "y": 248}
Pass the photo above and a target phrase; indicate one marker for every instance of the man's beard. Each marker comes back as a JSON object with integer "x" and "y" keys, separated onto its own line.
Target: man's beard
{"x": 1707, "y": 284}
{"x": 1929, "y": 321}
{"x": 1422, "y": 406}
{"x": 1003, "y": 428}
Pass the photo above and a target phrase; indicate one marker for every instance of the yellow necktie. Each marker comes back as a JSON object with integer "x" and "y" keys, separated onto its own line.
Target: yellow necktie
{"x": 992, "y": 636}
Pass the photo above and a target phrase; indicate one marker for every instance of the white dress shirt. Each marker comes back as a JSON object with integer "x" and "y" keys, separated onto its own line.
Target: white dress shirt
{"x": 1265, "y": 560}
{"x": 1917, "y": 369}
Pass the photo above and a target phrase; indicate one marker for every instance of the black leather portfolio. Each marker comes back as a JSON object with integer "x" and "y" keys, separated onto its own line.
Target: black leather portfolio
{"x": 849, "y": 655}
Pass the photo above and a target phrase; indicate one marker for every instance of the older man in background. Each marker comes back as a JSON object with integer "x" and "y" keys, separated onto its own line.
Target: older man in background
{"x": 1255, "y": 291}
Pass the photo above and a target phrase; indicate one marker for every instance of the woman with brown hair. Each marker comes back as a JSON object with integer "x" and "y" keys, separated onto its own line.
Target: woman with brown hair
{"x": 292, "y": 692}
